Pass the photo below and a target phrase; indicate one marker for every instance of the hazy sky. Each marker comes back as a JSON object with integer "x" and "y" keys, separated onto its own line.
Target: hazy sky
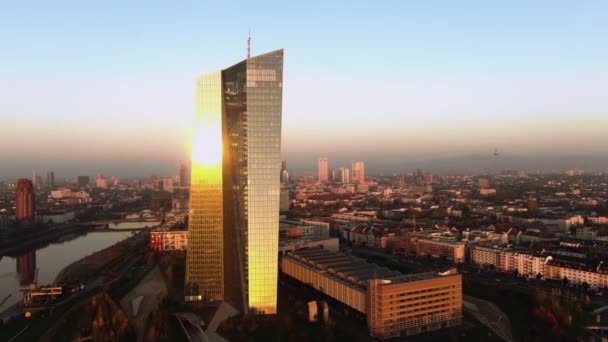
{"x": 114, "y": 80}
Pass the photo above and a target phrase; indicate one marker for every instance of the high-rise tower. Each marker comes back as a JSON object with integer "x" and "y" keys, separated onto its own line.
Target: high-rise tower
{"x": 323, "y": 169}
{"x": 358, "y": 172}
{"x": 50, "y": 179}
{"x": 184, "y": 174}
{"x": 235, "y": 185}
{"x": 24, "y": 201}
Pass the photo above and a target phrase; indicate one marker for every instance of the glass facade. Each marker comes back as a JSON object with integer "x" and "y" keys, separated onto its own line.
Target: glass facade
{"x": 204, "y": 263}
{"x": 250, "y": 101}
{"x": 264, "y": 100}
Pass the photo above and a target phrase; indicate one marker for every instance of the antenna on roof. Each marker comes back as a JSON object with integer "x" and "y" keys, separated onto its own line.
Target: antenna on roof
{"x": 249, "y": 45}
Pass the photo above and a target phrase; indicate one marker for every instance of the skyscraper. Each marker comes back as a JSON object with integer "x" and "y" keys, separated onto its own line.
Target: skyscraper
{"x": 24, "y": 201}
{"x": 235, "y": 185}
{"x": 50, "y": 179}
{"x": 344, "y": 175}
{"x": 359, "y": 172}
{"x": 168, "y": 184}
{"x": 284, "y": 173}
{"x": 101, "y": 181}
{"x": 184, "y": 174}
{"x": 323, "y": 169}
{"x": 36, "y": 180}
{"x": 334, "y": 175}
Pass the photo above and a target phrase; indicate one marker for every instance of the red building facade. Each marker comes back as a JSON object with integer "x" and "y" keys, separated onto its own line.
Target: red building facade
{"x": 24, "y": 201}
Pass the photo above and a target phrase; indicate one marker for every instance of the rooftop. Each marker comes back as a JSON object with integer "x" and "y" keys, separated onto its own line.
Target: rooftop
{"x": 353, "y": 270}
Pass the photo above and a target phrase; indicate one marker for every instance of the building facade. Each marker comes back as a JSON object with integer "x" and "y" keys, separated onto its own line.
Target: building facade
{"x": 323, "y": 166}
{"x": 24, "y": 201}
{"x": 184, "y": 174}
{"x": 450, "y": 250}
{"x": 101, "y": 181}
{"x": 395, "y": 305}
{"x": 169, "y": 240}
{"x": 50, "y": 179}
{"x": 358, "y": 172}
{"x": 235, "y": 186}
{"x": 344, "y": 175}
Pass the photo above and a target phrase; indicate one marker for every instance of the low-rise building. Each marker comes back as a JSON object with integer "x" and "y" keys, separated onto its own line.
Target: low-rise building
{"x": 395, "y": 305}
{"x": 169, "y": 240}
{"x": 436, "y": 248}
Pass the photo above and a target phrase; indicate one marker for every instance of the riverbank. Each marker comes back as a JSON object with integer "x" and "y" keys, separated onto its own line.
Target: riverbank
{"x": 109, "y": 273}
{"x": 103, "y": 262}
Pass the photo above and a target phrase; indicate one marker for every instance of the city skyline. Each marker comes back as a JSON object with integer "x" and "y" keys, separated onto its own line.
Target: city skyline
{"x": 408, "y": 170}
{"x": 502, "y": 72}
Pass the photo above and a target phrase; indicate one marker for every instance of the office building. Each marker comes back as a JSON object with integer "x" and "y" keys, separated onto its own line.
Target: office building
{"x": 169, "y": 240}
{"x": 323, "y": 167}
{"x": 436, "y": 248}
{"x": 344, "y": 175}
{"x": 184, "y": 174}
{"x": 101, "y": 181}
{"x": 50, "y": 179}
{"x": 168, "y": 184}
{"x": 396, "y": 305}
{"x": 24, "y": 201}
{"x": 285, "y": 201}
{"x": 358, "y": 172}
{"x": 83, "y": 181}
{"x": 235, "y": 186}
{"x": 36, "y": 179}
{"x": 284, "y": 173}
{"x": 428, "y": 177}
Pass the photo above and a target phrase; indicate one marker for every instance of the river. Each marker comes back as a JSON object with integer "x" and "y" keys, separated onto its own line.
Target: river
{"x": 49, "y": 261}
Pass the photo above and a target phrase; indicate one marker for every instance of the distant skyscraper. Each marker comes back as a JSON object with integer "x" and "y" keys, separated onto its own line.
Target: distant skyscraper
{"x": 323, "y": 167}
{"x": 101, "y": 181}
{"x": 24, "y": 201}
{"x": 83, "y": 181}
{"x": 358, "y": 172}
{"x": 50, "y": 179}
{"x": 334, "y": 175}
{"x": 284, "y": 173}
{"x": 36, "y": 179}
{"x": 168, "y": 184}
{"x": 235, "y": 186}
{"x": 184, "y": 174}
{"x": 428, "y": 177}
{"x": 401, "y": 180}
{"x": 344, "y": 175}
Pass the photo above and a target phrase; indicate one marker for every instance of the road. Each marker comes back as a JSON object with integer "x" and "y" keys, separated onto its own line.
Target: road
{"x": 491, "y": 316}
